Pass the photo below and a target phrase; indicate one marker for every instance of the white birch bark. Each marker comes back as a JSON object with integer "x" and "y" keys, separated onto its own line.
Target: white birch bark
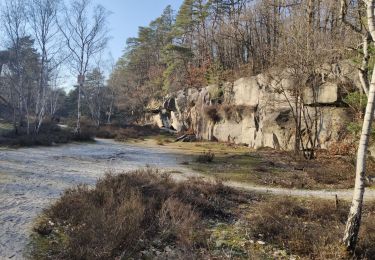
{"x": 355, "y": 214}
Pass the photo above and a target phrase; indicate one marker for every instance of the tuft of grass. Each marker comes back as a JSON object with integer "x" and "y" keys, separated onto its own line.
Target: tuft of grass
{"x": 206, "y": 157}
{"x": 212, "y": 112}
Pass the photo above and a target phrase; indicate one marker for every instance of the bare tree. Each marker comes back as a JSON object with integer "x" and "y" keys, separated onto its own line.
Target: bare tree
{"x": 54, "y": 93}
{"x": 43, "y": 21}
{"x": 85, "y": 37}
{"x": 14, "y": 25}
{"x": 111, "y": 90}
{"x": 94, "y": 91}
{"x": 355, "y": 214}
{"x": 356, "y": 24}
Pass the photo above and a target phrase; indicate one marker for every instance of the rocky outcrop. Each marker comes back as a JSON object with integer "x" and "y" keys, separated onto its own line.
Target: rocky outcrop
{"x": 259, "y": 111}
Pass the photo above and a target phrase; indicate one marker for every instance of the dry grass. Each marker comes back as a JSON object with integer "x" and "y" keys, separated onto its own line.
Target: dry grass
{"x": 146, "y": 215}
{"x": 269, "y": 167}
{"x": 311, "y": 229}
{"x": 131, "y": 216}
{"x": 176, "y": 220}
{"x": 282, "y": 169}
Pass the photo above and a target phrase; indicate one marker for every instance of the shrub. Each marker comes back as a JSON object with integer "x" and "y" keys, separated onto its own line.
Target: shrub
{"x": 356, "y": 101}
{"x": 366, "y": 245}
{"x": 106, "y": 132}
{"x": 135, "y": 132}
{"x": 302, "y": 227}
{"x": 176, "y": 220}
{"x": 48, "y": 134}
{"x": 230, "y": 112}
{"x": 206, "y": 157}
{"x": 212, "y": 112}
{"x": 343, "y": 148}
{"x": 125, "y": 215}
{"x": 85, "y": 135}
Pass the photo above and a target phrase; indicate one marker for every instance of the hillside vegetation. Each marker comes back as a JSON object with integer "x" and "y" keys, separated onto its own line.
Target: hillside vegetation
{"x": 213, "y": 42}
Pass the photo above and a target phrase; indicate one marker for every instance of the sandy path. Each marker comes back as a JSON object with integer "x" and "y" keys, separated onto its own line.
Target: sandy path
{"x": 322, "y": 194}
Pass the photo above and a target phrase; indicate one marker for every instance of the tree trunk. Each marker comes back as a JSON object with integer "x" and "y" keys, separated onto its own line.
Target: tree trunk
{"x": 355, "y": 214}
{"x": 363, "y": 71}
{"x": 78, "y": 127}
{"x": 354, "y": 219}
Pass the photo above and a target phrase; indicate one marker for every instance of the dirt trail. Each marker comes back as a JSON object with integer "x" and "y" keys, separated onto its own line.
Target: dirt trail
{"x": 32, "y": 178}
{"x": 322, "y": 194}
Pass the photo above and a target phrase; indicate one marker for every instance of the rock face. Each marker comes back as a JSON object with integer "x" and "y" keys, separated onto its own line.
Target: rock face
{"x": 259, "y": 111}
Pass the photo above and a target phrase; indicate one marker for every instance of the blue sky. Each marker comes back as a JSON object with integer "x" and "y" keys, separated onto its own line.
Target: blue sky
{"x": 128, "y": 15}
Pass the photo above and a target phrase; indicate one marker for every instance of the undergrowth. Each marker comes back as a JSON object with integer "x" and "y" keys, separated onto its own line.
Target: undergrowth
{"x": 132, "y": 215}
{"x": 146, "y": 215}
{"x": 49, "y": 134}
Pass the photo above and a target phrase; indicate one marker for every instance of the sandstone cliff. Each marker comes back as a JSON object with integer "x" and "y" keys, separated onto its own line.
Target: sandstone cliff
{"x": 258, "y": 111}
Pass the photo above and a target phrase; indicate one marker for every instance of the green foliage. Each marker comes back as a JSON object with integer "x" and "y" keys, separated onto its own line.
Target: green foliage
{"x": 216, "y": 92}
{"x": 49, "y": 134}
{"x": 184, "y": 18}
{"x": 167, "y": 75}
{"x": 176, "y": 58}
{"x": 356, "y": 101}
{"x": 358, "y": 59}
{"x": 182, "y": 50}
{"x": 190, "y": 14}
{"x": 139, "y": 74}
{"x": 215, "y": 73}
{"x": 24, "y": 61}
{"x": 354, "y": 128}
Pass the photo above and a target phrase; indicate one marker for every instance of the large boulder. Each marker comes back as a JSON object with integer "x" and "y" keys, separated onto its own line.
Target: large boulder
{"x": 246, "y": 92}
{"x": 327, "y": 94}
{"x": 259, "y": 111}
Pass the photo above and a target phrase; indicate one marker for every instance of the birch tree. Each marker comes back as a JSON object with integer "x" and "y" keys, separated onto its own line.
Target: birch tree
{"x": 14, "y": 25}
{"x": 355, "y": 214}
{"x": 43, "y": 22}
{"x": 356, "y": 24}
{"x": 85, "y": 37}
{"x": 94, "y": 90}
